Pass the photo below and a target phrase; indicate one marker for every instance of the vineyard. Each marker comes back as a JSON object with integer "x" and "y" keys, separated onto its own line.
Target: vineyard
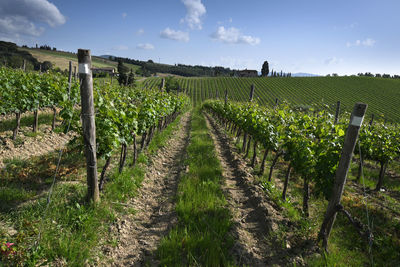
{"x": 382, "y": 95}
{"x": 236, "y": 183}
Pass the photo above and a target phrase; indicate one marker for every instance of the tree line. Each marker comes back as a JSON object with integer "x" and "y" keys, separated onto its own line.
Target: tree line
{"x": 149, "y": 68}
{"x": 265, "y": 71}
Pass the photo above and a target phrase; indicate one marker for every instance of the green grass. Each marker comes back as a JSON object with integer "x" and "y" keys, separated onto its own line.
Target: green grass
{"x": 201, "y": 236}
{"x": 381, "y": 95}
{"x": 70, "y": 228}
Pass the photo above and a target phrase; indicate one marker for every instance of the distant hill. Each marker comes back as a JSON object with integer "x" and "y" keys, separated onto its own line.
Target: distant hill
{"x": 150, "y": 67}
{"x": 108, "y": 57}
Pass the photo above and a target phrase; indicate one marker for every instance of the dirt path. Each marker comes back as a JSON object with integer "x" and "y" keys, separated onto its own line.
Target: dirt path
{"x": 255, "y": 219}
{"x": 139, "y": 234}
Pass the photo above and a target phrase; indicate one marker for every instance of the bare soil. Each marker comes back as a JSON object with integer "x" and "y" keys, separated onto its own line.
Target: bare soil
{"x": 256, "y": 221}
{"x": 139, "y": 234}
{"x": 27, "y": 146}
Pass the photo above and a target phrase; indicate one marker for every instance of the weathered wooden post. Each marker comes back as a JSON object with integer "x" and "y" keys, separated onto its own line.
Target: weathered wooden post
{"x": 226, "y": 97}
{"x": 337, "y": 112}
{"x": 35, "y": 112}
{"x": 162, "y": 85}
{"x": 217, "y": 94}
{"x": 246, "y": 138}
{"x": 24, "y": 65}
{"x": 75, "y": 73}
{"x": 88, "y": 122}
{"x": 251, "y": 93}
{"x": 69, "y": 80}
{"x": 356, "y": 119}
{"x": 276, "y": 103}
{"x": 371, "y": 121}
{"x": 35, "y": 120}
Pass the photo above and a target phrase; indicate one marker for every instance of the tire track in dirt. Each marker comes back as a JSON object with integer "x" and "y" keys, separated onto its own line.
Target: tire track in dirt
{"x": 254, "y": 217}
{"x": 140, "y": 234}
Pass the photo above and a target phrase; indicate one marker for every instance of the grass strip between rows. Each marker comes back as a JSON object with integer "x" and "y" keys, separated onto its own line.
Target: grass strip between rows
{"x": 71, "y": 228}
{"x": 201, "y": 236}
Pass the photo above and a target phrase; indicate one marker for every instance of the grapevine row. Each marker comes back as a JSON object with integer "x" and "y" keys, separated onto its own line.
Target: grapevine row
{"x": 311, "y": 144}
{"x": 31, "y": 91}
{"x": 123, "y": 114}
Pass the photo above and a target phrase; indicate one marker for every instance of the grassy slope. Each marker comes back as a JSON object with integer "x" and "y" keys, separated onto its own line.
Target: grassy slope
{"x": 382, "y": 95}
{"x": 61, "y": 59}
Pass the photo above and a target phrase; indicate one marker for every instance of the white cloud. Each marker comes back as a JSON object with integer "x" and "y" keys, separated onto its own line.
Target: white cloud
{"x": 228, "y": 21}
{"x": 194, "y": 11}
{"x": 16, "y": 25}
{"x": 18, "y": 17}
{"x": 333, "y": 60}
{"x": 145, "y": 46}
{"x": 140, "y": 32}
{"x": 367, "y": 42}
{"x": 233, "y": 36}
{"x": 124, "y": 15}
{"x": 351, "y": 26}
{"x": 174, "y": 35}
{"x": 120, "y": 48}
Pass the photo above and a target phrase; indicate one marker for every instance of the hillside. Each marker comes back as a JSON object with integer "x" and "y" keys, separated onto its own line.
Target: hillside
{"x": 381, "y": 95}
{"x": 13, "y": 57}
{"x": 61, "y": 59}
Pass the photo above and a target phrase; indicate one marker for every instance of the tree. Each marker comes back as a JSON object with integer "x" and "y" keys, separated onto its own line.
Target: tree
{"x": 46, "y": 65}
{"x": 131, "y": 78}
{"x": 122, "y": 72}
{"x": 265, "y": 69}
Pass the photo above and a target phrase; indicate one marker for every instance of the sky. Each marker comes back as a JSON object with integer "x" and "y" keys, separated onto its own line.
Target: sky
{"x": 311, "y": 36}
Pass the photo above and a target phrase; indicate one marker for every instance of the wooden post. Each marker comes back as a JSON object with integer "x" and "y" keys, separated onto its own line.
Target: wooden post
{"x": 40, "y": 68}
{"x": 371, "y": 121}
{"x": 88, "y": 122}
{"x": 217, "y": 94}
{"x": 69, "y": 80}
{"x": 162, "y": 85}
{"x": 75, "y": 73}
{"x": 337, "y": 112}
{"x": 356, "y": 119}
{"x": 251, "y": 93}
{"x": 24, "y": 65}
{"x": 35, "y": 120}
{"x": 276, "y": 103}
{"x": 226, "y": 97}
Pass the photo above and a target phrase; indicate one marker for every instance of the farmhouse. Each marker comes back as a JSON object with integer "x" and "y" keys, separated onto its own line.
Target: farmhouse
{"x": 247, "y": 73}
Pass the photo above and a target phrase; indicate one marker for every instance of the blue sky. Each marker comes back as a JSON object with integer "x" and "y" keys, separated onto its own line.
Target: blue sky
{"x": 313, "y": 36}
